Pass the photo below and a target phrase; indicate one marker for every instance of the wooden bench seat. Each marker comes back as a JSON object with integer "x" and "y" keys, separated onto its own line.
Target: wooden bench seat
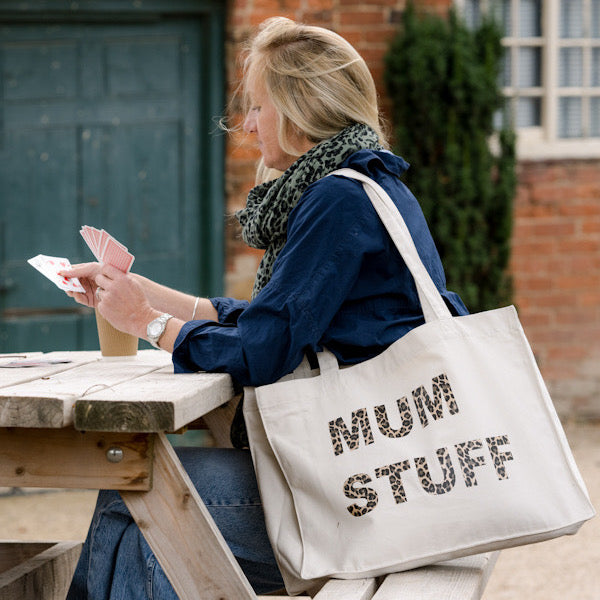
{"x": 43, "y": 571}
{"x": 37, "y": 570}
{"x": 459, "y": 579}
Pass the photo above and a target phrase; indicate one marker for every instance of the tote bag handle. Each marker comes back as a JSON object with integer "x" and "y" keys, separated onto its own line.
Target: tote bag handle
{"x": 432, "y": 303}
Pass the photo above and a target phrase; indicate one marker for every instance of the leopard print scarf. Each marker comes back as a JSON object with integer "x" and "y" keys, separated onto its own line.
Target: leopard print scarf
{"x": 264, "y": 220}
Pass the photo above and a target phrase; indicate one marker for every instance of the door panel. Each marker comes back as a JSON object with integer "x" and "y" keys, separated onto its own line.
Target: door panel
{"x": 105, "y": 125}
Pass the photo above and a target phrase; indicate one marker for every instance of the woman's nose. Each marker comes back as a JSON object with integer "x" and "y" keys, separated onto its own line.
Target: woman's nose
{"x": 250, "y": 123}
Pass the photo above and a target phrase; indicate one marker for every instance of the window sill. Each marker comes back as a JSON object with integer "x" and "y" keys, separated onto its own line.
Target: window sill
{"x": 532, "y": 146}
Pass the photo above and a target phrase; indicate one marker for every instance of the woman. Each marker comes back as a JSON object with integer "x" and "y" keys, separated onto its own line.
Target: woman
{"x": 330, "y": 276}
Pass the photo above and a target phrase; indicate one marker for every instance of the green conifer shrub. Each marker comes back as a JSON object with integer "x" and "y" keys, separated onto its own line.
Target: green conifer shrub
{"x": 442, "y": 78}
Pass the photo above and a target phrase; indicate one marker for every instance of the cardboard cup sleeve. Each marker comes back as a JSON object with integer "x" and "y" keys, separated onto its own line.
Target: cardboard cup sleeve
{"x": 114, "y": 342}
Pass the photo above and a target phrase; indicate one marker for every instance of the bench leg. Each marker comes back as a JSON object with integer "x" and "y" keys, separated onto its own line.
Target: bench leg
{"x": 182, "y": 534}
{"x": 37, "y": 570}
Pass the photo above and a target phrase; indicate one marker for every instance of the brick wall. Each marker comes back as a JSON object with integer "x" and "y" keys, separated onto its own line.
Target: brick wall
{"x": 556, "y": 269}
{"x": 556, "y": 242}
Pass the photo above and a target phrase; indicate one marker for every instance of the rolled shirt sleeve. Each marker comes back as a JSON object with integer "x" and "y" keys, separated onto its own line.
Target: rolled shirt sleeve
{"x": 229, "y": 309}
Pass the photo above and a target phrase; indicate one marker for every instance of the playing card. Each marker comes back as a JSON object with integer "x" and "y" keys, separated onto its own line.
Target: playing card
{"x": 107, "y": 249}
{"x": 104, "y": 235}
{"x": 49, "y": 266}
{"x": 91, "y": 235}
{"x": 88, "y": 237}
{"x": 116, "y": 254}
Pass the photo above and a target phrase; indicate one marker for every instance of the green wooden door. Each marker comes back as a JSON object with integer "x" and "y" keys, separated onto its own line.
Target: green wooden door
{"x": 109, "y": 124}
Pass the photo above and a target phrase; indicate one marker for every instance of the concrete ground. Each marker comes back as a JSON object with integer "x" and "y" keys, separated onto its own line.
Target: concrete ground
{"x": 567, "y": 568}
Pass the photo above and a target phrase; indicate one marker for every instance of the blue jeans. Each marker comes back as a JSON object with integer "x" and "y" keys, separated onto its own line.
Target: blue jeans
{"x": 116, "y": 563}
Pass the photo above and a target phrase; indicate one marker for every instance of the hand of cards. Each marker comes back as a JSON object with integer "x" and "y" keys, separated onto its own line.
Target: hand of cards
{"x": 50, "y": 266}
{"x": 104, "y": 247}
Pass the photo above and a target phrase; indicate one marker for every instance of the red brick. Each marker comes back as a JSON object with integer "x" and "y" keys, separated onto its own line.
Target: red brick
{"x": 346, "y": 3}
{"x": 540, "y": 319}
{"x": 533, "y": 282}
{"x": 274, "y": 6}
{"x": 256, "y": 18}
{"x": 569, "y": 318}
{"x": 533, "y": 247}
{"x": 354, "y": 37}
{"x": 551, "y": 194}
{"x": 380, "y": 35}
{"x": 591, "y": 226}
{"x": 544, "y": 338}
{"x": 361, "y": 18}
{"x": 576, "y": 281}
{"x": 570, "y": 353}
{"x": 590, "y": 298}
{"x": 583, "y": 245}
{"x": 322, "y": 18}
{"x": 523, "y": 263}
{"x": 551, "y": 301}
{"x": 320, "y": 4}
{"x": 535, "y": 172}
{"x": 581, "y": 208}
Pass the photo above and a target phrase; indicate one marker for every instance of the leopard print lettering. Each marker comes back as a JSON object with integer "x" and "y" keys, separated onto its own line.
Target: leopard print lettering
{"x": 449, "y": 477}
{"x": 498, "y": 457}
{"x": 405, "y": 416}
{"x": 468, "y": 462}
{"x": 441, "y": 391}
{"x": 369, "y": 494}
{"x": 338, "y": 429}
{"x": 394, "y": 473}
{"x": 420, "y": 396}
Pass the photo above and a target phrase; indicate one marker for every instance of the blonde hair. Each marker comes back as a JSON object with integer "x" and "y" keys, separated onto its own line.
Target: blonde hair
{"x": 317, "y": 81}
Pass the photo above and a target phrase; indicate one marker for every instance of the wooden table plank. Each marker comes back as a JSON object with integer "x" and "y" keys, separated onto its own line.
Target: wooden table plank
{"x": 19, "y": 375}
{"x": 158, "y": 401}
{"x": 182, "y": 534}
{"x": 66, "y": 458}
{"x": 48, "y": 400}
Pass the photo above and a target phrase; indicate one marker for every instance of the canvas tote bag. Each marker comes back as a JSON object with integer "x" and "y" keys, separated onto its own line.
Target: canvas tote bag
{"x": 444, "y": 445}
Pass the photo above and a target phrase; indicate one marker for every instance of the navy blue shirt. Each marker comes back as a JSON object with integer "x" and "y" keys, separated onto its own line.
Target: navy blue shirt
{"x": 339, "y": 282}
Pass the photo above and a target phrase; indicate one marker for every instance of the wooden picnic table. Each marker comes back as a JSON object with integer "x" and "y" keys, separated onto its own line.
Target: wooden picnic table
{"x": 78, "y": 420}
{"x": 97, "y": 423}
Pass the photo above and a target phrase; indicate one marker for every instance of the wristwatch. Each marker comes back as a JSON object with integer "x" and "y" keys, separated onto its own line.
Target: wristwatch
{"x": 156, "y": 328}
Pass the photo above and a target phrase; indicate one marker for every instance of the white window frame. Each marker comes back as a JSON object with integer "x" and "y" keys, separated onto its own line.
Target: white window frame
{"x": 539, "y": 143}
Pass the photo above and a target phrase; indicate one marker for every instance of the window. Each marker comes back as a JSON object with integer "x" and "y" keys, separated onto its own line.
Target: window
{"x": 551, "y": 73}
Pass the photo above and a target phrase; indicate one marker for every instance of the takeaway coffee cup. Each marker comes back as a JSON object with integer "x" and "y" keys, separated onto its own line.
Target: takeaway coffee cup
{"x": 114, "y": 342}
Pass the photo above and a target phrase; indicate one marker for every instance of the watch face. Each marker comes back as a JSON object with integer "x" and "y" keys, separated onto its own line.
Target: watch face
{"x": 154, "y": 328}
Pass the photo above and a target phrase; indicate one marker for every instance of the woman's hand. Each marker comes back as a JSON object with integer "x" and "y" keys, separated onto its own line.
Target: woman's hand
{"x": 121, "y": 300}
{"x": 118, "y": 296}
{"x": 86, "y": 273}
{"x": 129, "y": 302}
